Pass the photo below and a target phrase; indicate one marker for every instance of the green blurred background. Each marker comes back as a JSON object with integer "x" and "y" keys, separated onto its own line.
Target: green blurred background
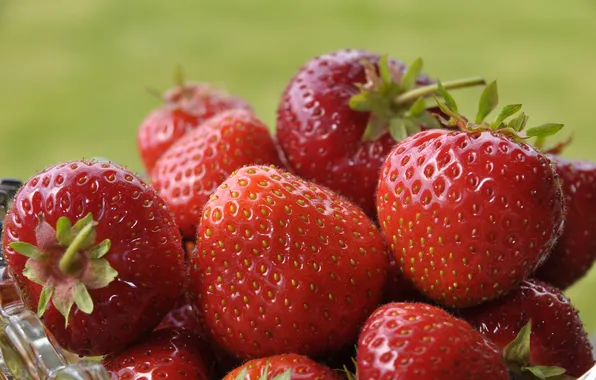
{"x": 73, "y": 73}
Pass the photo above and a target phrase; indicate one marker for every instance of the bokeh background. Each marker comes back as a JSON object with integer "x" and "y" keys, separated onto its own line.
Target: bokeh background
{"x": 73, "y": 73}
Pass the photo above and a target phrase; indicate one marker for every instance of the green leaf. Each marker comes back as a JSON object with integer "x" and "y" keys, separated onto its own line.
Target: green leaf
{"x": 384, "y": 69}
{"x": 360, "y": 102}
{"x": 418, "y": 107}
{"x": 99, "y": 274}
{"x": 448, "y": 98}
{"x": 544, "y": 130}
{"x": 286, "y": 375}
{"x": 376, "y": 128}
{"x": 78, "y": 227}
{"x": 507, "y": 111}
{"x": 99, "y": 251}
{"x": 349, "y": 374}
{"x": 427, "y": 119}
{"x": 44, "y": 299}
{"x": 397, "y": 129}
{"x": 519, "y": 122}
{"x": 544, "y": 372}
{"x": 411, "y": 75}
{"x": 518, "y": 350}
{"x": 242, "y": 374}
{"x": 26, "y": 249}
{"x": 63, "y": 303}
{"x": 488, "y": 101}
{"x": 411, "y": 127}
{"x": 446, "y": 110}
{"x": 82, "y": 298}
{"x": 64, "y": 231}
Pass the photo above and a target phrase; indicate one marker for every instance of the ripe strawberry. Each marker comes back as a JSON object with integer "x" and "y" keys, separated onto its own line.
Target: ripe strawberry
{"x": 295, "y": 367}
{"x": 420, "y": 341}
{"x": 164, "y": 354}
{"x": 341, "y": 108}
{"x": 557, "y": 334}
{"x": 187, "y": 174}
{"x": 397, "y": 288}
{"x": 185, "y": 107}
{"x": 94, "y": 250}
{"x": 469, "y": 214}
{"x": 284, "y": 265}
{"x": 183, "y": 316}
{"x": 575, "y": 251}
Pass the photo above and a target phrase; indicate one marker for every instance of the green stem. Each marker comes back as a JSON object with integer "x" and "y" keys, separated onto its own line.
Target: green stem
{"x": 68, "y": 257}
{"x": 431, "y": 89}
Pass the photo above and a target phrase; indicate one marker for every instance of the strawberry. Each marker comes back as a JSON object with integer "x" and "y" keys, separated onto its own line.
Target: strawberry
{"x": 288, "y": 366}
{"x": 575, "y": 251}
{"x": 470, "y": 213}
{"x": 185, "y": 107}
{"x": 95, "y": 251}
{"x": 341, "y": 108}
{"x": 556, "y": 337}
{"x": 420, "y": 341}
{"x": 183, "y": 316}
{"x": 397, "y": 288}
{"x": 164, "y": 354}
{"x": 284, "y": 265}
{"x": 193, "y": 167}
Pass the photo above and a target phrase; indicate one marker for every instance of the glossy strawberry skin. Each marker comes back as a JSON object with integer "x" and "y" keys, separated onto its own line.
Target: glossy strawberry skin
{"x": 468, "y": 215}
{"x": 558, "y": 336}
{"x": 185, "y": 108}
{"x": 188, "y": 173}
{"x": 420, "y": 341}
{"x": 283, "y": 265}
{"x": 164, "y": 354}
{"x": 146, "y": 251}
{"x": 302, "y": 368}
{"x": 314, "y": 119}
{"x": 575, "y": 251}
{"x": 183, "y": 316}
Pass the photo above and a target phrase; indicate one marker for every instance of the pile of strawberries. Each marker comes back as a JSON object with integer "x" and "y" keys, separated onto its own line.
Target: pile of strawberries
{"x": 379, "y": 234}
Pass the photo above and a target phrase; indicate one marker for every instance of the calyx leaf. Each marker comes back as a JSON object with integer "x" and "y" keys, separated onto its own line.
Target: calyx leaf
{"x": 387, "y": 96}
{"x": 82, "y": 265}
{"x": 517, "y": 356}
{"x": 488, "y": 101}
{"x": 448, "y": 98}
{"x": 544, "y": 130}
{"x": 506, "y": 112}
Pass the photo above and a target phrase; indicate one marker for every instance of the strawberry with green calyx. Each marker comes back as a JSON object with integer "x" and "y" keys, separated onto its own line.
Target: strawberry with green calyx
{"x": 541, "y": 313}
{"x": 185, "y": 107}
{"x": 81, "y": 264}
{"x": 470, "y": 213}
{"x": 94, "y": 250}
{"x": 347, "y": 108}
{"x": 517, "y": 357}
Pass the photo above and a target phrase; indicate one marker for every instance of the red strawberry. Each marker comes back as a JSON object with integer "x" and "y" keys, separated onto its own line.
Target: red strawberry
{"x": 469, "y": 214}
{"x": 187, "y": 174}
{"x": 183, "y": 316}
{"x": 165, "y": 354}
{"x": 93, "y": 243}
{"x": 185, "y": 107}
{"x": 397, "y": 288}
{"x": 297, "y": 367}
{"x": 283, "y": 265}
{"x": 339, "y": 108}
{"x": 420, "y": 341}
{"x": 557, "y": 335}
{"x": 575, "y": 251}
